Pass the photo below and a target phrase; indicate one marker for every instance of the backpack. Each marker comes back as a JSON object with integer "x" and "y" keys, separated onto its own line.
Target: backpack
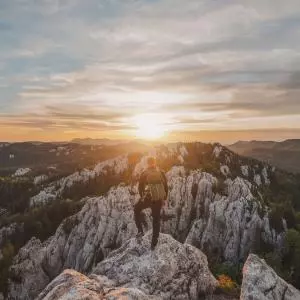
{"x": 155, "y": 185}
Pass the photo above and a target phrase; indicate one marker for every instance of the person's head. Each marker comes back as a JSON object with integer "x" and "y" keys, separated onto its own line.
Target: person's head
{"x": 151, "y": 162}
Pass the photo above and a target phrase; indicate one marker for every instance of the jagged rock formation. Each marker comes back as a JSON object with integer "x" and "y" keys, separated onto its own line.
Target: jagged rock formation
{"x": 222, "y": 222}
{"x": 260, "y": 282}
{"x": 102, "y": 225}
{"x": 40, "y": 179}
{"x": 117, "y": 165}
{"x": 229, "y": 224}
{"x": 73, "y": 285}
{"x": 32, "y": 279}
{"x": 172, "y": 271}
{"x": 22, "y": 172}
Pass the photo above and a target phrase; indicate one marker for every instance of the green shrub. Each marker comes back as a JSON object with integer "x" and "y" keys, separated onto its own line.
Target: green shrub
{"x": 287, "y": 266}
{"x": 275, "y": 216}
{"x": 233, "y": 271}
{"x": 228, "y": 286}
{"x": 8, "y": 252}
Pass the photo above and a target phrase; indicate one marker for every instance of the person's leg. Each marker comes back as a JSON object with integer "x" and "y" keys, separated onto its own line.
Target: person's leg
{"x": 142, "y": 204}
{"x": 156, "y": 208}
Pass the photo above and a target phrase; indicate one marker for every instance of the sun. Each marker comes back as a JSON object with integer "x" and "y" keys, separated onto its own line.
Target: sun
{"x": 149, "y": 127}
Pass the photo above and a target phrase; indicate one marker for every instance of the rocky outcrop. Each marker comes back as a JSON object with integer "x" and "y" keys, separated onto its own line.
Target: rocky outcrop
{"x": 103, "y": 224}
{"x": 260, "y": 282}
{"x": 223, "y": 222}
{"x": 21, "y": 172}
{"x": 172, "y": 271}
{"x": 55, "y": 189}
{"x": 223, "y": 225}
{"x": 229, "y": 225}
{"x": 28, "y": 272}
{"x": 73, "y": 285}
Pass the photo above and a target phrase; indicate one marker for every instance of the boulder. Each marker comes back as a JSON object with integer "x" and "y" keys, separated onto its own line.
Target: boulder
{"x": 172, "y": 271}
{"x": 260, "y": 282}
{"x": 27, "y": 276}
{"x": 76, "y": 286}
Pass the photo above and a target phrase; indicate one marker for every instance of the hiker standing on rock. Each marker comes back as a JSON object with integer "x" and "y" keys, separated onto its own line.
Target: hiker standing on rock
{"x": 153, "y": 189}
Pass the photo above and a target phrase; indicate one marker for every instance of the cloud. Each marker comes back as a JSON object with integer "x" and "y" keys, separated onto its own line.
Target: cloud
{"x": 91, "y": 64}
{"x": 39, "y": 7}
{"x": 75, "y": 117}
{"x": 34, "y": 122}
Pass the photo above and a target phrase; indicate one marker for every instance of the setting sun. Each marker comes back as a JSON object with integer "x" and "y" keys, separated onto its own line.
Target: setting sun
{"x": 149, "y": 127}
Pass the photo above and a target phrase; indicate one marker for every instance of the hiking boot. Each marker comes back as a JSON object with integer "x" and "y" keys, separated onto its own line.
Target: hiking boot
{"x": 139, "y": 237}
{"x": 153, "y": 244}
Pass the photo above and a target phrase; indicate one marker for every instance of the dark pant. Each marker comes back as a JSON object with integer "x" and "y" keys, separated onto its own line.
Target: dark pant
{"x": 155, "y": 207}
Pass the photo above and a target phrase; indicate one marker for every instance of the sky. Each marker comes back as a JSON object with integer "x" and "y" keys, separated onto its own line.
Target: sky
{"x": 213, "y": 70}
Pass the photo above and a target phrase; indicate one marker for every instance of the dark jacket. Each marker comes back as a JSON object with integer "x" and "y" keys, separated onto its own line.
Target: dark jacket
{"x": 143, "y": 182}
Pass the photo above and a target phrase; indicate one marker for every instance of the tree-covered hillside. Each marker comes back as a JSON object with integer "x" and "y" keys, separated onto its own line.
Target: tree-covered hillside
{"x": 284, "y": 155}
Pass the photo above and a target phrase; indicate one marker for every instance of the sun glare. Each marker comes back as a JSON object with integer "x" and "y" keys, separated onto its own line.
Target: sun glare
{"x": 149, "y": 127}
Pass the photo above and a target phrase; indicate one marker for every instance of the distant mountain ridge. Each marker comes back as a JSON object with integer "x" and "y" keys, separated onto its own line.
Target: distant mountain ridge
{"x": 115, "y": 142}
{"x": 284, "y": 155}
{"x": 89, "y": 141}
{"x": 65, "y": 156}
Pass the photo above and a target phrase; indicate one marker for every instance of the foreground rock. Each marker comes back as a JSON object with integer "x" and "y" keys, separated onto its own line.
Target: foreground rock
{"x": 172, "y": 271}
{"x": 73, "y": 285}
{"x": 260, "y": 282}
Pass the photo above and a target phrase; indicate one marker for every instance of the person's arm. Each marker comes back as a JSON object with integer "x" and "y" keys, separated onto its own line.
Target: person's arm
{"x": 142, "y": 182}
{"x": 165, "y": 182}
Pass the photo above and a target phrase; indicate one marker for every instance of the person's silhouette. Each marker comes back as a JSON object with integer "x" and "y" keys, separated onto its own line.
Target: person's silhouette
{"x": 153, "y": 189}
